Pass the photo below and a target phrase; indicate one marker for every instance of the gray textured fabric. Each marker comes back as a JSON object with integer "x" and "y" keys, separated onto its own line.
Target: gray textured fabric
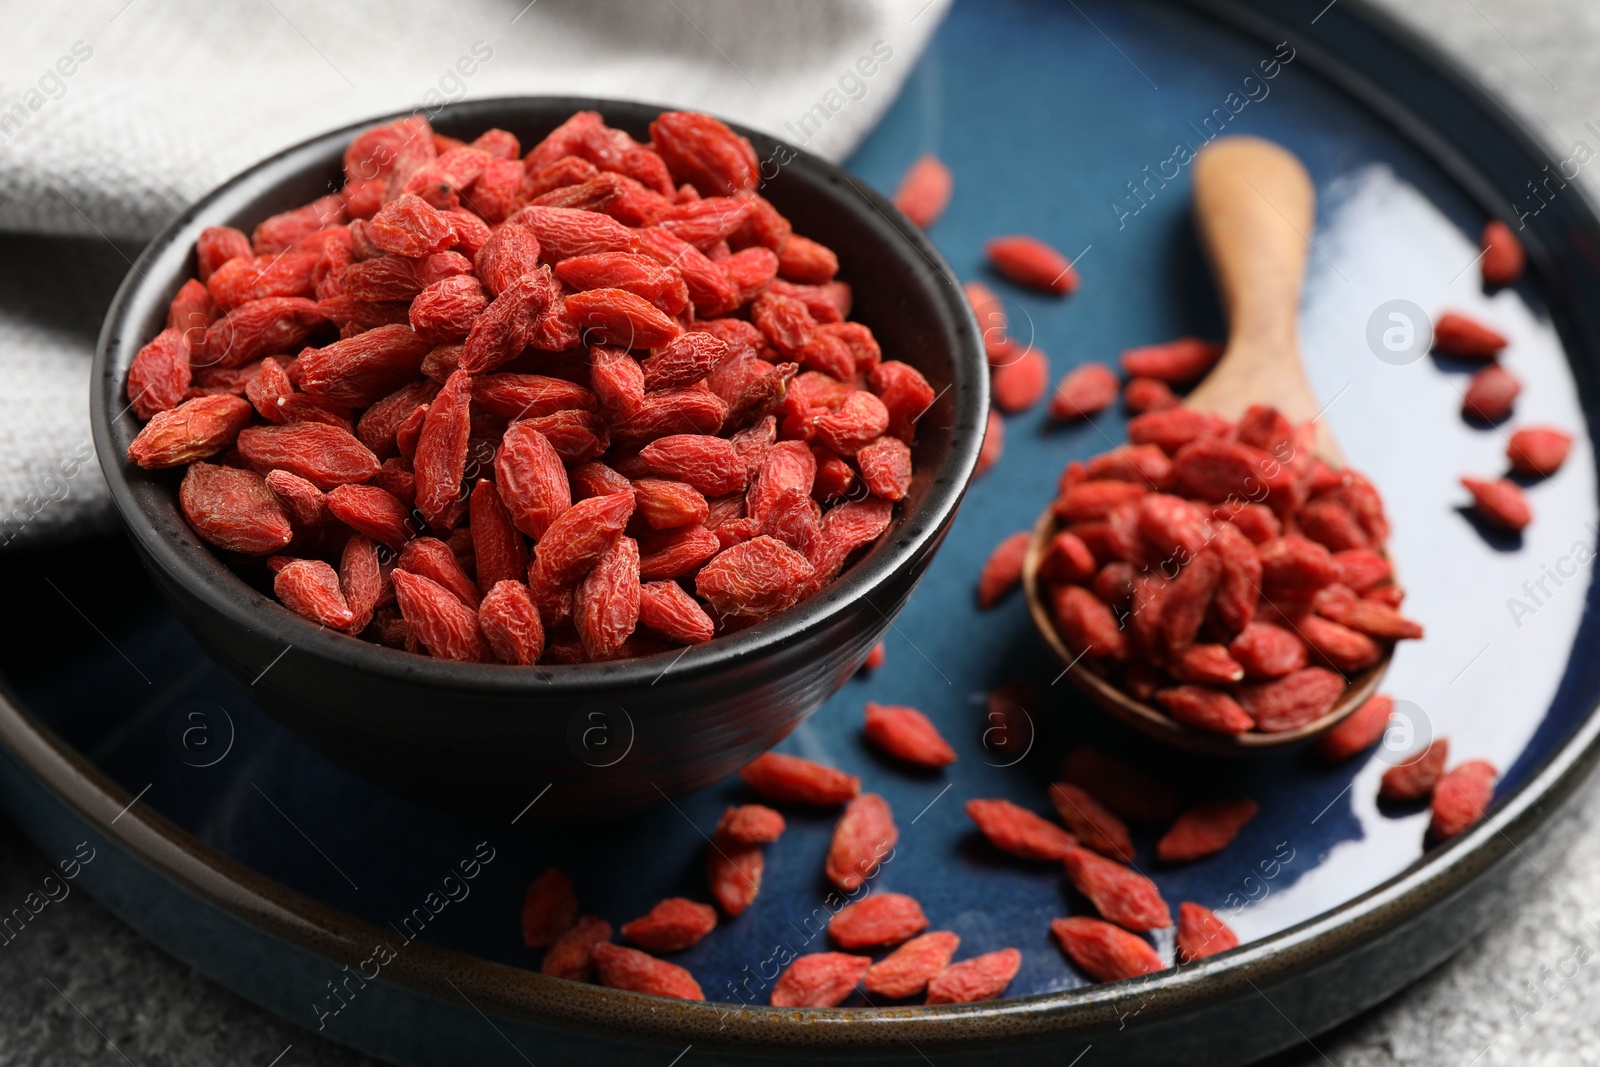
{"x": 116, "y": 114}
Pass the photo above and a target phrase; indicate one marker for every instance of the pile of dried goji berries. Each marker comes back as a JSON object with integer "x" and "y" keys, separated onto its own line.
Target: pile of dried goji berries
{"x": 593, "y": 402}
{"x": 1533, "y": 452}
{"x": 1219, "y": 571}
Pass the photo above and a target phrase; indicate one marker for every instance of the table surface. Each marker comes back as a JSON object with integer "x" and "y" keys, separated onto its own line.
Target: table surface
{"x": 83, "y": 988}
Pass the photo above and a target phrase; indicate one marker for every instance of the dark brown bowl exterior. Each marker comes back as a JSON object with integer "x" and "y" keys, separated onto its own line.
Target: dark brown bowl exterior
{"x": 590, "y": 740}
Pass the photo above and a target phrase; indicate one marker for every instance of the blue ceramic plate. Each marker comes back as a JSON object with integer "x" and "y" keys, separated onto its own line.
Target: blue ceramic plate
{"x": 286, "y": 879}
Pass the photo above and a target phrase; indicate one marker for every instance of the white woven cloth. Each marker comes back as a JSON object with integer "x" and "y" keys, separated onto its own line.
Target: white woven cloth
{"x": 116, "y": 114}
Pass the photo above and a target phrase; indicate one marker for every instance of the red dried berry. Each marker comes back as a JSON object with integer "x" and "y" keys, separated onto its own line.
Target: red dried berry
{"x": 310, "y": 588}
{"x": 1460, "y": 798}
{"x": 1002, "y": 572}
{"x": 575, "y": 542}
{"x": 1204, "y": 708}
{"x": 1292, "y": 701}
{"x": 704, "y": 152}
{"x": 1204, "y": 829}
{"x": 605, "y": 607}
{"x": 510, "y": 623}
{"x": 1179, "y": 362}
{"x": 1088, "y": 389}
{"x": 924, "y": 190}
{"x": 1103, "y": 951}
{"x": 1121, "y": 894}
{"x": 750, "y": 824}
{"x": 795, "y": 780}
{"x": 1503, "y": 257}
{"x": 1267, "y": 651}
{"x": 1500, "y": 502}
{"x": 1359, "y": 732}
{"x": 908, "y": 735}
{"x": 1029, "y": 261}
{"x": 1201, "y": 933}
{"x": 819, "y": 980}
{"x": 977, "y": 979}
{"x": 1490, "y": 394}
{"x": 671, "y": 926}
{"x": 548, "y": 908}
{"x": 233, "y": 509}
{"x": 1020, "y": 382}
{"x": 757, "y": 578}
{"x": 864, "y": 835}
{"x": 1094, "y": 824}
{"x": 193, "y": 430}
{"x": 906, "y": 971}
{"x": 572, "y": 954}
{"x": 734, "y": 872}
{"x": 639, "y": 972}
{"x": 373, "y": 511}
{"x": 1417, "y": 776}
{"x": 1457, "y": 335}
{"x": 1019, "y": 831}
{"x": 880, "y": 919}
{"x": 1538, "y": 451}
{"x": 447, "y": 628}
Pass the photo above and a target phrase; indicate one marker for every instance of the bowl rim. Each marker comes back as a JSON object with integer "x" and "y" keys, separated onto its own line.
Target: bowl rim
{"x": 169, "y": 540}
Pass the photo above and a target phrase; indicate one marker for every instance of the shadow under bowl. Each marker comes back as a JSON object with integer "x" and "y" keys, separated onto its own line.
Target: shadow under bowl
{"x": 589, "y": 740}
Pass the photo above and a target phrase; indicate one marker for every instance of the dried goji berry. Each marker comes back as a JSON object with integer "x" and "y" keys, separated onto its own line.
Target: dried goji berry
{"x": 1020, "y": 381}
{"x": 1490, "y": 394}
{"x": 639, "y": 972}
{"x": 1088, "y": 389}
{"x": 905, "y": 393}
{"x": 193, "y": 430}
{"x": 1503, "y": 257}
{"x": 572, "y": 954}
{"x": 326, "y": 456}
{"x": 1019, "y": 831}
{"x": 906, "y": 734}
{"x": 447, "y": 628}
{"x": 1458, "y": 335}
{"x": 548, "y": 908}
{"x": 1204, "y": 708}
{"x": 1500, "y": 502}
{"x": 1121, "y": 894}
{"x": 431, "y": 558}
{"x": 879, "y": 919}
{"x": 1201, "y": 933}
{"x": 1358, "y": 732}
{"x": 750, "y": 824}
{"x": 160, "y": 374}
{"x": 905, "y": 972}
{"x": 863, "y": 837}
{"x": 704, "y": 152}
{"x": 373, "y": 511}
{"x": 1292, "y": 701}
{"x": 979, "y": 978}
{"x": 1029, "y": 261}
{"x": 1204, "y": 829}
{"x": 924, "y": 190}
{"x": 1086, "y": 624}
{"x": 795, "y": 780}
{"x": 1104, "y": 951}
{"x": 510, "y": 623}
{"x": 734, "y": 873}
{"x": 671, "y": 926}
{"x": 819, "y": 980}
{"x": 1460, "y": 797}
{"x": 605, "y": 607}
{"x": 1417, "y": 776}
{"x": 233, "y": 509}
{"x": 1002, "y": 572}
{"x": 1149, "y": 394}
{"x": 216, "y": 245}
{"x": 1538, "y": 451}
{"x": 757, "y": 578}
{"x": 1095, "y": 825}
{"x": 1178, "y": 362}
{"x": 310, "y": 588}
{"x": 1267, "y": 651}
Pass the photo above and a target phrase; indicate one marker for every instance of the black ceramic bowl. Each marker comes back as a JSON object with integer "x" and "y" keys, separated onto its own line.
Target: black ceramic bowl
{"x": 588, "y": 740}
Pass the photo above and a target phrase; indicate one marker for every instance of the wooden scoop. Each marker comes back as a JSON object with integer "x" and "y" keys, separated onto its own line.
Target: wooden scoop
{"x": 1255, "y": 211}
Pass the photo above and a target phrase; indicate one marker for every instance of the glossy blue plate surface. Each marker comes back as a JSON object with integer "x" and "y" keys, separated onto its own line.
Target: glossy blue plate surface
{"x": 1045, "y": 117}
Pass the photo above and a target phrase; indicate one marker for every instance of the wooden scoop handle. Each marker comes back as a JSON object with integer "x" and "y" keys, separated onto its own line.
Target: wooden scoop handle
{"x": 1255, "y": 210}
